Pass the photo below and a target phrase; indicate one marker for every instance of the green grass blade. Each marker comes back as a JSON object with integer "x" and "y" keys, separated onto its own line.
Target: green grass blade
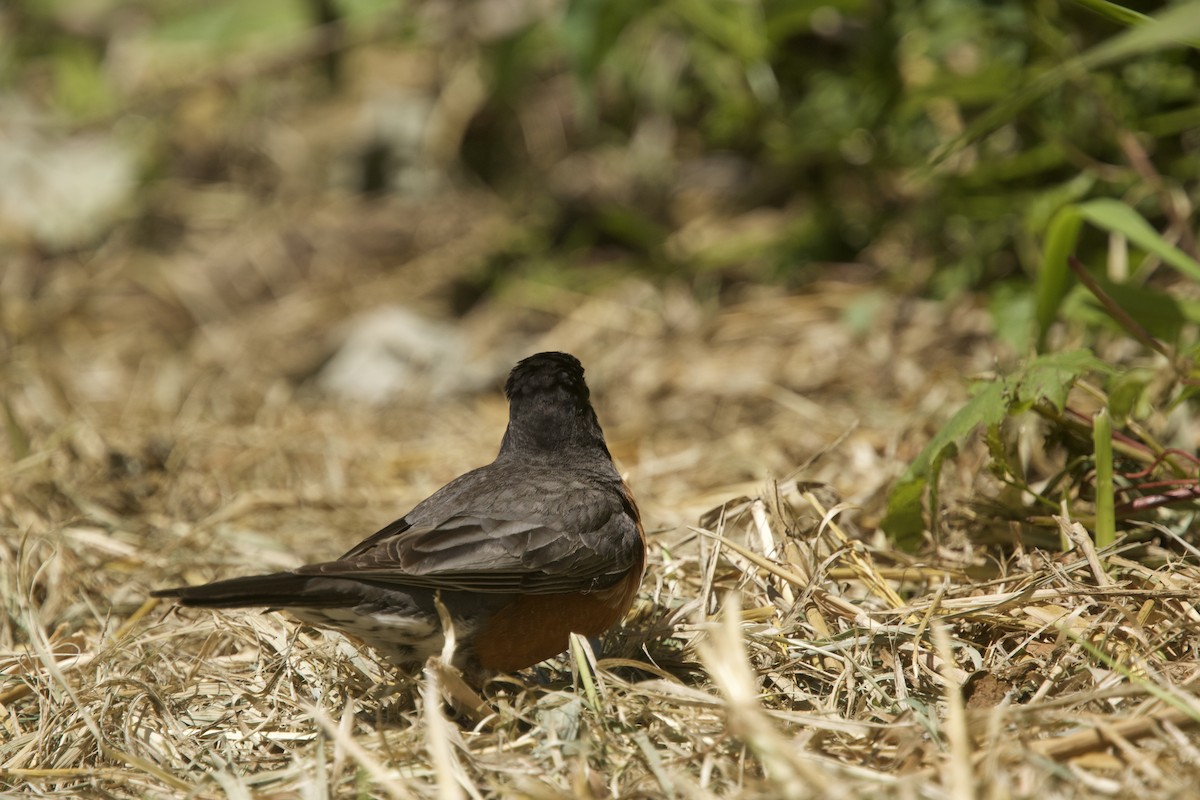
{"x": 1055, "y": 276}
{"x": 1174, "y": 699}
{"x": 1106, "y": 518}
{"x": 1118, "y": 14}
{"x": 1113, "y": 215}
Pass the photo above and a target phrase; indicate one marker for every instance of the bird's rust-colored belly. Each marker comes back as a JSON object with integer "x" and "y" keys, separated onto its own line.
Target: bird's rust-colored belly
{"x": 535, "y": 627}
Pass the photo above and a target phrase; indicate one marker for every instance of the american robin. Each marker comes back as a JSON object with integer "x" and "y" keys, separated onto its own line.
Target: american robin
{"x": 543, "y": 542}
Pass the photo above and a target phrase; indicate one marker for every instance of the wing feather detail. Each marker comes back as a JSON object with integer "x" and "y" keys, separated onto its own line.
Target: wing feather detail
{"x": 495, "y": 556}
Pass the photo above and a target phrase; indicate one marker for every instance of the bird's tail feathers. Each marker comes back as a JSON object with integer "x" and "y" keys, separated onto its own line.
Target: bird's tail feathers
{"x": 278, "y": 590}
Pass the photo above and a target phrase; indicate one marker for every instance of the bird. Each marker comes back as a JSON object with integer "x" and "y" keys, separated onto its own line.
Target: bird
{"x": 544, "y": 541}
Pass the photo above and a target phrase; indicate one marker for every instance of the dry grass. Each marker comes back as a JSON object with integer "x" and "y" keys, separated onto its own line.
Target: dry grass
{"x": 160, "y": 428}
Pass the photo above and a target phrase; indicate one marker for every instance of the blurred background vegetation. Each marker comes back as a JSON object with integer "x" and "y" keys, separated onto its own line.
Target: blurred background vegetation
{"x": 723, "y": 142}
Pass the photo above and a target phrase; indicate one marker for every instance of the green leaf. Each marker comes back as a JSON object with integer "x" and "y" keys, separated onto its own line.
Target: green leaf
{"x": 1114, "y": 12}
{"x": 1055, "y": 276}
{"x": 1045, "y": 378}
{"x": 1050, "y": 377}
{"x": 1158, "y": 313}
{"x": 1039, "y": 212}
{"x": 904, "y": 519}
{"x": 736, "y": 27}
{"x": 1127, "y": 393}
{"x": 1113, "y": 215}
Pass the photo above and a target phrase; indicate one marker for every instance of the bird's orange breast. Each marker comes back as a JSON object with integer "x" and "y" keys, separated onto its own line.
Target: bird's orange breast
{"x": 535, "y": 627}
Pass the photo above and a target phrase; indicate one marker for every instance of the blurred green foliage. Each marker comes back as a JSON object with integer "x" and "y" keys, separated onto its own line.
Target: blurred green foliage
{"x": 829, "y": 112}
{"x": 837, "y": 108}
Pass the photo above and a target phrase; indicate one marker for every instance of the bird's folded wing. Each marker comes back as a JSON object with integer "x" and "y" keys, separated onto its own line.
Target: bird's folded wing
{"x": 471, "y": 553}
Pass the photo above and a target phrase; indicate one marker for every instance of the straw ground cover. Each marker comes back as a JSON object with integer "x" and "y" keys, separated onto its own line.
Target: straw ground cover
{"x": 779, "y": 647}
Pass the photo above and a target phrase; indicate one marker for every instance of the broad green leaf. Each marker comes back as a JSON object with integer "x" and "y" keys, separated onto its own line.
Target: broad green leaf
{"x": 935, "y": 473}
{"x": 1113, "y": 215}
{"x": 1050, "y": 377}
{"x": 904, "y": 520}
{"x": 1157, "y": 312}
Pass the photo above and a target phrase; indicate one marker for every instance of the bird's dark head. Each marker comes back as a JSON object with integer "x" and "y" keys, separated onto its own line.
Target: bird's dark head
{"x": 547, "y": 374}
{"x": 548, "y": 405}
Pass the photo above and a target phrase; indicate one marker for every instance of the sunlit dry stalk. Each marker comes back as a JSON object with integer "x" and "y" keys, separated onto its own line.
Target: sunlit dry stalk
{"x": 437, "y": 739}
{"x": 961, "y": 773}
{"x": 724, "y": 657}
{"x": 858, "y": 560}
{"x": 389, "y": 780}
{"x": 1078, "y": 536}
